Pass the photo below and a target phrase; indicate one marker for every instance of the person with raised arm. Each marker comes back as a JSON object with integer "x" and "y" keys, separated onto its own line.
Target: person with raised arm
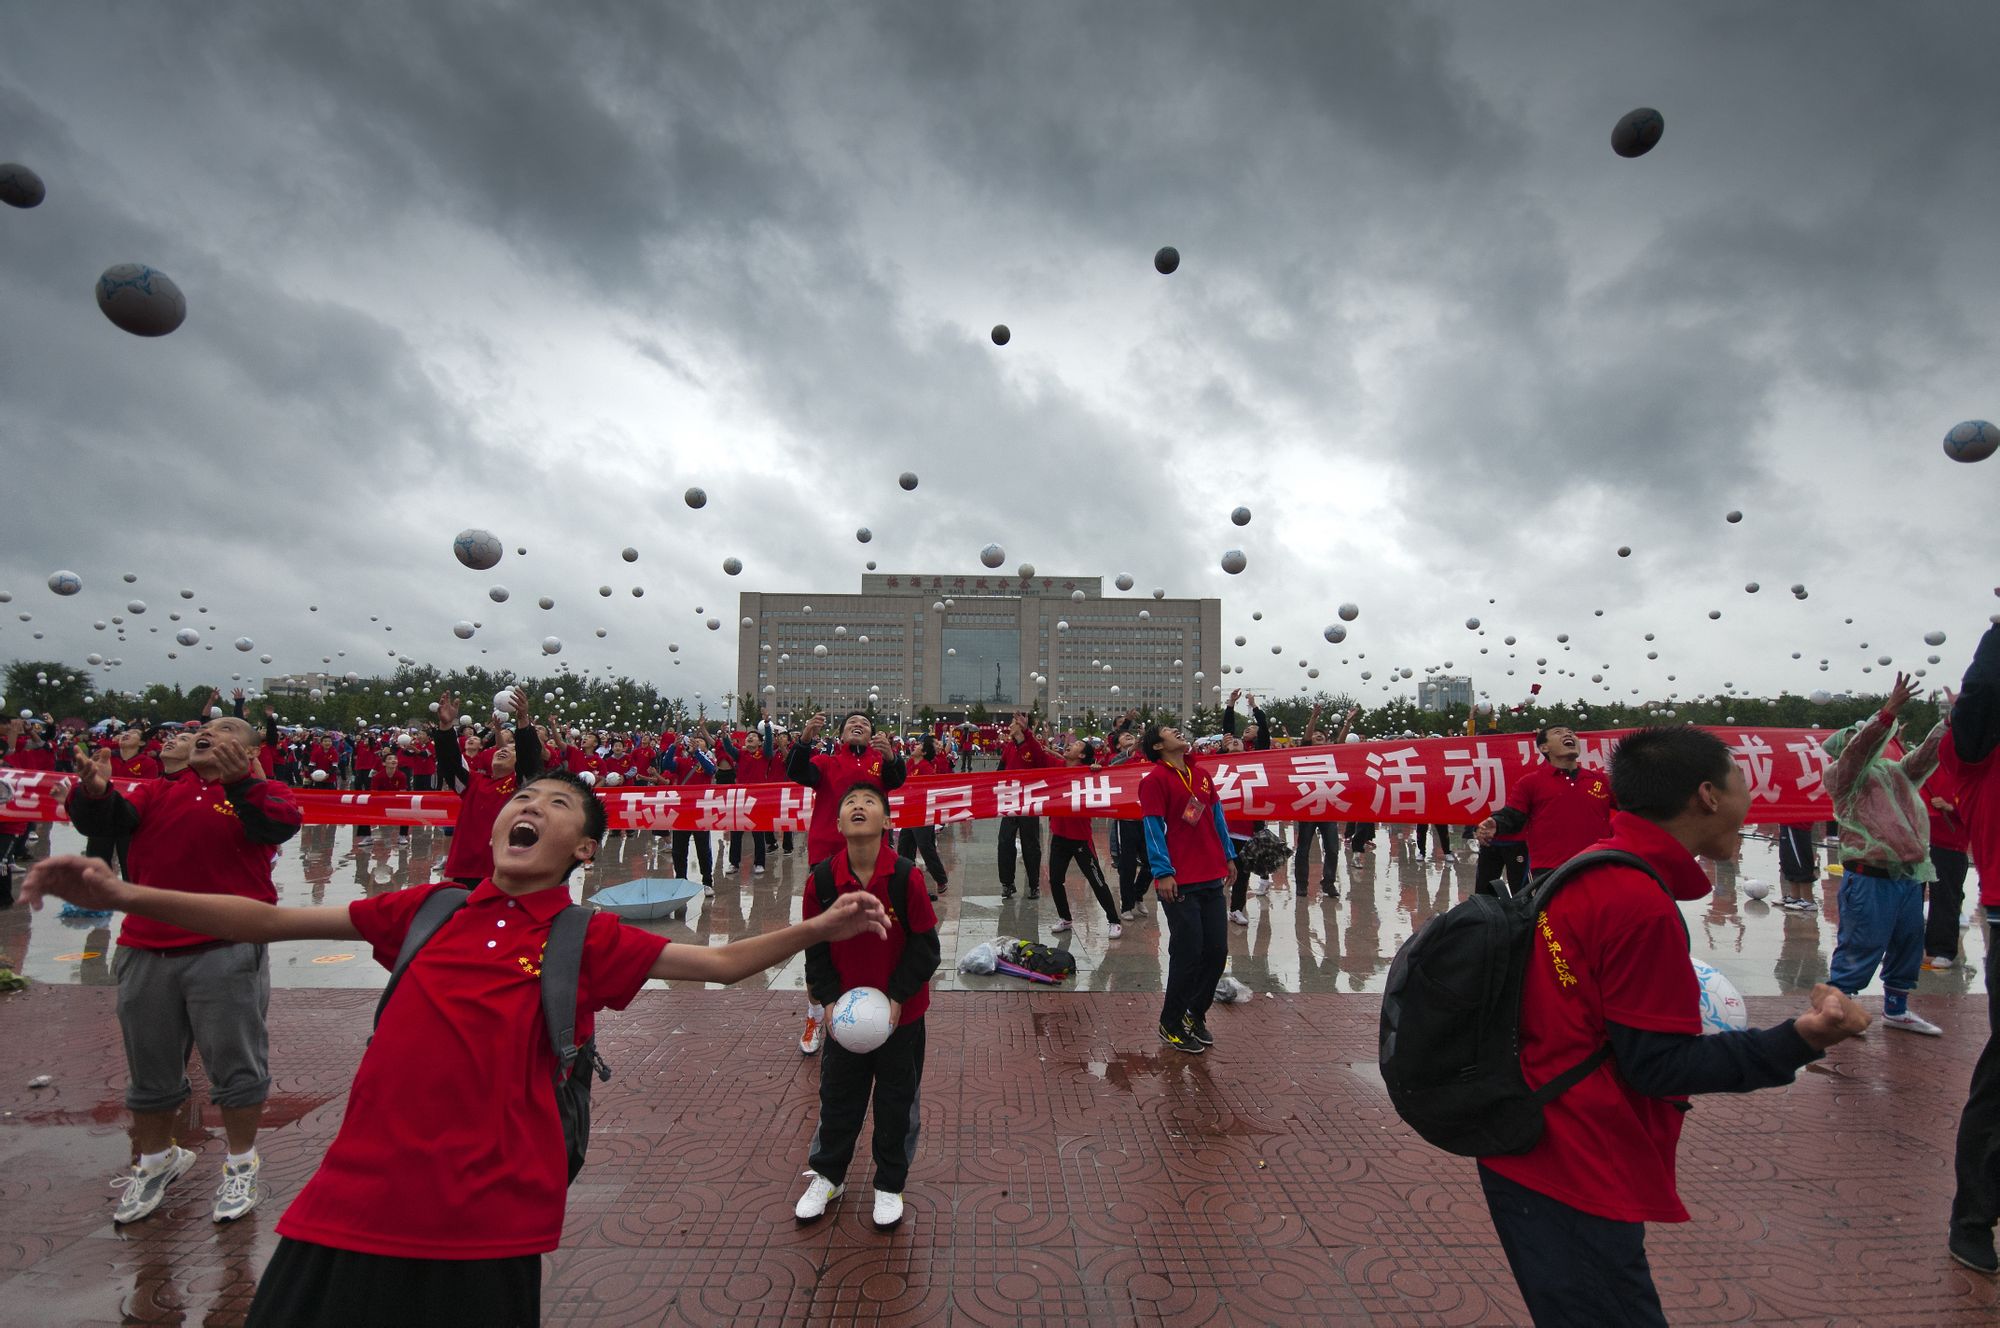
{"x": 447, "y": 1180}
{"x": 483, "y": 781}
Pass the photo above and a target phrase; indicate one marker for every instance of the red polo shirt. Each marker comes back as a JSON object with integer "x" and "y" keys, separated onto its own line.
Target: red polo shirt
{"x": 478, "y": 808}
{"x": 1610, "y": 948}
{"x": 1194, "y": 847}
{"x": 189, "y": 839}
{"x": 383, "y": 782}
{"x": 141, "y": 766}
{"x": 867, "y": 960}
{"x": 450, "y": 1146}
{"x": 839, "y": 770}
{"x": 1567, "y": 813}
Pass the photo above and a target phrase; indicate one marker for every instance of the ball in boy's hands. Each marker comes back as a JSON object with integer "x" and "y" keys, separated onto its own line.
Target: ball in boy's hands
{"x": 860, "y": 1019}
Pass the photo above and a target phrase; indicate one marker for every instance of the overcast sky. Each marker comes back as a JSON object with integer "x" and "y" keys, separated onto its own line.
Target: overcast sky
{"x": 539, "y": 268}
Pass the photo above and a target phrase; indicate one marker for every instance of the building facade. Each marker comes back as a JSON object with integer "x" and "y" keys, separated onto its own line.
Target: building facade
{"x": 1443, "y": 692}
{"x": 950, "y": 643}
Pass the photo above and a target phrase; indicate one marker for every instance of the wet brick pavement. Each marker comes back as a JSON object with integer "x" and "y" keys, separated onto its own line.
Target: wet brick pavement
{"x": 1070, "y": 1169}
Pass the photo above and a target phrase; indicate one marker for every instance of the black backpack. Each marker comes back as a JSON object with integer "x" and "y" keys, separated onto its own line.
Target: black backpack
{"x": 562, "y": 964}
{"x": 1450, "y": 1041}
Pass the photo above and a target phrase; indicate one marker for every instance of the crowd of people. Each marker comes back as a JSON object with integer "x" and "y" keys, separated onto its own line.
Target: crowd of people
{"x": 408, "y": 1218}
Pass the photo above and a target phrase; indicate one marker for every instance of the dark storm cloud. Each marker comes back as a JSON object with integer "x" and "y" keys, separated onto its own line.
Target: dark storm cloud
{"x": 1406, "y": 249}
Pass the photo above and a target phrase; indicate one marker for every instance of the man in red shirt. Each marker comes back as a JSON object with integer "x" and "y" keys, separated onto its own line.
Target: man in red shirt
{"x": 212, "y": 833}
{"x": 387, "y": 777}
{"x": 1022, "y": 751}
{"x": 1968, "y": 757}
{"x": 900, "y": 966}
{"x": 921, "y": 840}
{"x": 1610, "y": 967}
{"x": 1188, "y": 849}
{"x": 1559, "y": 809}
{"x": 446, "y": 1182}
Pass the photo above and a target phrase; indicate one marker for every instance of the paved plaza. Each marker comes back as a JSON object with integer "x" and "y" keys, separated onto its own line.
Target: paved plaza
{"x": 1071, "y": 1169}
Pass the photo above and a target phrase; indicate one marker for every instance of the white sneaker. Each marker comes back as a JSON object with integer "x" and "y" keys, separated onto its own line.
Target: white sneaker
{"x": 1912, "y": 1022}
{"x": 1239, "y": 917}
{"x": 1938, "y": 963}
{"x": 144, "y": 1189}
{"x": 1061, "y": 924}
{"x": 707, "y": 889}
{"x": 888, "y": 1209}
{"x": 819, "y": 1193}
{"x": 237, "y": 1194}
{"x": 1116, "y": 931}
{"x": 1130, "y": 913}
{"x": 815, "y": 1034}
{"x": 760, "y": 871}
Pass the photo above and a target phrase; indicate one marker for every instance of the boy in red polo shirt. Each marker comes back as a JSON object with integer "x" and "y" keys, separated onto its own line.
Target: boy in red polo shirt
{"x": 446, "y": 1183}
{"x": 483, "y": 781}
{"x": 1188, "y": 849}
{"x": 899, "y": 964}
{"x": 1609, "y": 968}
{"x": 1558, "y": 807}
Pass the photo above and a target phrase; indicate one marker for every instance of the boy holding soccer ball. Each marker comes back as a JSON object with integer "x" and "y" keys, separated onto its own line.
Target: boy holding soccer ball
{"x": 900, "y": 965}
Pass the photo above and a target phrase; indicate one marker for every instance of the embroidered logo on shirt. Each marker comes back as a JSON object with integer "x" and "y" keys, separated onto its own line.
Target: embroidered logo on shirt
{"x": 223, "y": 805}
{"x": 533, "y": 967}
{"x": 1563, "y": 975}
{"x": 1598, "y": 789}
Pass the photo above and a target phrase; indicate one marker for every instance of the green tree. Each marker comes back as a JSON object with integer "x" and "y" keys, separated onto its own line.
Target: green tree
{"x": 49, "y": 687}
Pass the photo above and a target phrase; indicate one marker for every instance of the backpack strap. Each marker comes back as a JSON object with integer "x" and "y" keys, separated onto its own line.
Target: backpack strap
{"x": 823, "y": 886}
{"x": 899, "y": 891}
{"x": 1576, "y": 866}
{"x": 562, "y": 969}
{"x": 431, "y": 915}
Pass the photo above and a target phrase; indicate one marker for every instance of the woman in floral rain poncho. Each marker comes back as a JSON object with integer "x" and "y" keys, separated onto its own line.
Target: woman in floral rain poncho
{"x": 1885, "y": 858}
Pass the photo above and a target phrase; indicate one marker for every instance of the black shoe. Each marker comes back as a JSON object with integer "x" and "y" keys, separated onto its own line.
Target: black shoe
{"x": 1197, "y": 1029}
{"x": 1973, "y": 1247}
{"x": 943, "y": 885}
{"x": 1006, "y": 892}
{"x": 1182, "y": 1041}
{"x": 1034, "y": 892}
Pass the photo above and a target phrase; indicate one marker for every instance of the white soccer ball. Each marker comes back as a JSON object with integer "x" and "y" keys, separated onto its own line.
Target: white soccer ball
{"x": 245, "y": 644}
{"x": 732, "y": 566}
{"x": 462, "y": 630}
{"x": 1233, "y": 561}
{"x": 477, "y": 549}
{"x": 859, "y": 1020}
{"x": 497, "y": 594}
{"x": 1756, "y": 889}
{"x": 1123, "y": 582}
{"x": 993, "y": 555}
{"x": 65, "y": 583}
{"x": 1722, "y": 1007}
{"x": 188, "y": 636}
{"x": 1349, "y": 612}
{"x": 319, "y": 776}
{"x": 1335, "y": 633}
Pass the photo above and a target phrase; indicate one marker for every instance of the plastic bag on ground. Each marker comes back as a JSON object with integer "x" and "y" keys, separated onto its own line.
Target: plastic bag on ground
{"x": 1230, "y": 992}
{"x": 979, "y": 959}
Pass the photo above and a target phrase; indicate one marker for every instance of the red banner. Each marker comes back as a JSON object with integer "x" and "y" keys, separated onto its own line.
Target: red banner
{"x": 1440, "y": 781}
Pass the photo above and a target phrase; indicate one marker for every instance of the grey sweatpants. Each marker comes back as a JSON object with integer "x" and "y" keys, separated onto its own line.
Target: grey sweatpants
{"x": 170, "y": 1004}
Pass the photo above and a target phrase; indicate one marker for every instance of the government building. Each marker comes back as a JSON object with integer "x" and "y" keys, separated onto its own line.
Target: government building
{"x": 955, "y": 645}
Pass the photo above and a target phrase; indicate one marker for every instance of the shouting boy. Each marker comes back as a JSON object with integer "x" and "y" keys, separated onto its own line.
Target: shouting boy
{"x": 447, "y": 1180}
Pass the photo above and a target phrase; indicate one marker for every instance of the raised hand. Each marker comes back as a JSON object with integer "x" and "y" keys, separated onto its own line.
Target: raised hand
{"x": 813, "y": 726}
{"x": 233, "y": 760}
{"x": 447, "y": 711}
{"x": 853, "y": 913}
{"x": 1899, "y": 695}
{"x": 522, "y": 719}
{"x": 93, "y": 772}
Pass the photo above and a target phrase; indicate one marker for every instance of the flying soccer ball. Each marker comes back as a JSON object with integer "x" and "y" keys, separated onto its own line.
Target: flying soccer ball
{"x": 140, "y": 300}
{"x": 65, "y": 583}
{"x": 478, "y": 549}
{"x": 1637, "y": 132}
{"x": 1974, "y": 440}
{"x": 1233, "y": 561}
{"x": 992, "y": 555}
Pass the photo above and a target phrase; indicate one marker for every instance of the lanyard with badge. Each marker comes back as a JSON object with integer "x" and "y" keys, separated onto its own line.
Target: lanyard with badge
{"x": 1195, "y": 806}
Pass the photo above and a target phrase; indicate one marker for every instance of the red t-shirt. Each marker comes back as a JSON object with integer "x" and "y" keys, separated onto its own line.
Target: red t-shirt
{"x": 37, "y": 758}
{"x": 1978, "y": 791}
{"x": 1195, "y": 847}
{"x": 450, "y": 1146}
{"x": 189, "y": 839}
{"x": 1611, "y": 948}
{"x": 366, "y": 756}
{"x": 1567, "y": 813}
{"x": 867, "y": 960}
{"x": 384, "y": 782}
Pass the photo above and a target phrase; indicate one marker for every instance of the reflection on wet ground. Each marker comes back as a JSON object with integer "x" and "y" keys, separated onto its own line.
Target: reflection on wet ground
{"x": 1297, "y": 940}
